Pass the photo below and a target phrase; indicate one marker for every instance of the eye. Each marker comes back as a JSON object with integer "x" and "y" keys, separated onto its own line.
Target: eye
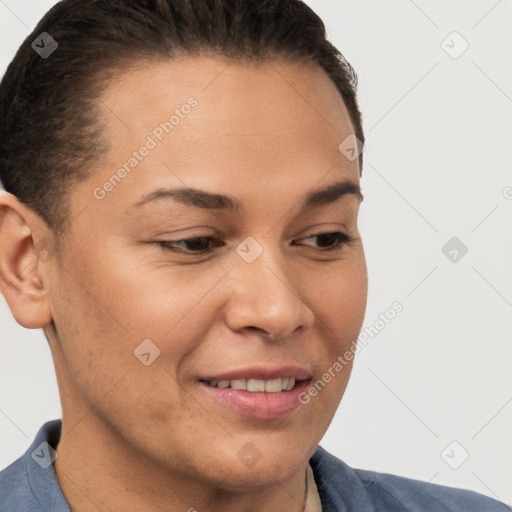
{"x": 329, "y": 241}
{"x": 333, "y": 240}
{"x": 195, "y": 245}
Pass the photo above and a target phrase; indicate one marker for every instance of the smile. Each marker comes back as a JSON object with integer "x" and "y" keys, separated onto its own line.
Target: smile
{"x": 255, "y": 385}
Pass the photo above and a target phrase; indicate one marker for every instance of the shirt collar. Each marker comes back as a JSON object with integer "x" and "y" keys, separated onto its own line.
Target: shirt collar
{"x": 40, "y": 472}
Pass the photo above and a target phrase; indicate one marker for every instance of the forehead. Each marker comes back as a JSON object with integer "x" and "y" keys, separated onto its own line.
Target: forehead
{"x": 221, "y": 124}
{"x": 234, "y": 99}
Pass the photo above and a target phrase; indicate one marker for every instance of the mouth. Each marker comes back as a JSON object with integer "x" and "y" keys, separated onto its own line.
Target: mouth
{"x": 276, "y": 385}
{"x": 257, "y": 392}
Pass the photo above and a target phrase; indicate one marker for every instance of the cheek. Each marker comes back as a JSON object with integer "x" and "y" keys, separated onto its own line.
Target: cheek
{"x": 90, "y": 331}
{"x": 106, "y": 306}
{"x": 152, "y": 294}
{"x": 340, "y": 299}
{"x": 98, "y": 332}
{"x": 94, "y": 315}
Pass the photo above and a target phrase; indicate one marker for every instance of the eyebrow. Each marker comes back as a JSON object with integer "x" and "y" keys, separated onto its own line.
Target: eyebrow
{"x": 211, "y": 201}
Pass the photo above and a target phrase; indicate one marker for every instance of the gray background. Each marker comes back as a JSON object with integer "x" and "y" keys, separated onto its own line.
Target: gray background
{"x": 433, "y": 386}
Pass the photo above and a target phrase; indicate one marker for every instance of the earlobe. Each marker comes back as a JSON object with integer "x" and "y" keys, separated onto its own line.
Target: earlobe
{"x": 21, "y": 264}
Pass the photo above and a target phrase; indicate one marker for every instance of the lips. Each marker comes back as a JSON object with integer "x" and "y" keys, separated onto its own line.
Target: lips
{"x": 258, "y": 405}
{"x": 257, "y": 391}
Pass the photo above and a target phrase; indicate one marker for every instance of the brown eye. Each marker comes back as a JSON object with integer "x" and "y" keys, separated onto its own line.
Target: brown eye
{"x": 195, "y": 245}
{"x": 325, "y": 242}
{"x": 330, "y": 241}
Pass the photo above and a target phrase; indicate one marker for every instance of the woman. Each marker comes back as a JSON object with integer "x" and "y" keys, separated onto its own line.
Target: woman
{"x": 183, "y": 185}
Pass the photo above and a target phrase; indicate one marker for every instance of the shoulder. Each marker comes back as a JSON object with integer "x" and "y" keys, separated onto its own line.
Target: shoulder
{"x": 15, "y": 492}
{"x": 343, "y": 488}
{"x": 29, "y": 483}
{"x": 416, "y": 495}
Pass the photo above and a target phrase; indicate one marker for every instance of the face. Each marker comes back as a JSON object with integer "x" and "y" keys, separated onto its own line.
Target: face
{"x": 143, "y": 317}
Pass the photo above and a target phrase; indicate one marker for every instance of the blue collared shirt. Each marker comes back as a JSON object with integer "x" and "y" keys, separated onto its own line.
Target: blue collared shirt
{"x": 29, "y": 485}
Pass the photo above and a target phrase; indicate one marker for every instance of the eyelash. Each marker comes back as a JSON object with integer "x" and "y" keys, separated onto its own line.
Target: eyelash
{"x": 342, "y": 240}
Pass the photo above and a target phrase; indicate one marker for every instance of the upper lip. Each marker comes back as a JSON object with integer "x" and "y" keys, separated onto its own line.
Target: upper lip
{"x": 261, "y": 373}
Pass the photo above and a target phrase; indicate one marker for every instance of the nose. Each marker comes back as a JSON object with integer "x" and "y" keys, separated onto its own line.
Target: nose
{"x": 266, "y": 298}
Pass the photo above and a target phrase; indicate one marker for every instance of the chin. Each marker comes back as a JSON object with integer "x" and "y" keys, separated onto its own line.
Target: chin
{"x": 254, "y": 468}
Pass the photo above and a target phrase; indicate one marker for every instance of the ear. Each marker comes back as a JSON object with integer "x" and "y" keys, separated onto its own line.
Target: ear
{"x": 22, "y": 263}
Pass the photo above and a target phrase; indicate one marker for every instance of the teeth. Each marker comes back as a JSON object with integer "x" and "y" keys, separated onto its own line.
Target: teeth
{"x": 238, "y": 384}
{"x": 257, "y": 385}
{"x": 291, "y": 384}
{"x": 274, "y": 385}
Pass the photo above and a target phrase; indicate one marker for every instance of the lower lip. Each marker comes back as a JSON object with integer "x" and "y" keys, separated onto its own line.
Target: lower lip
{"x": 260, "y": 405}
